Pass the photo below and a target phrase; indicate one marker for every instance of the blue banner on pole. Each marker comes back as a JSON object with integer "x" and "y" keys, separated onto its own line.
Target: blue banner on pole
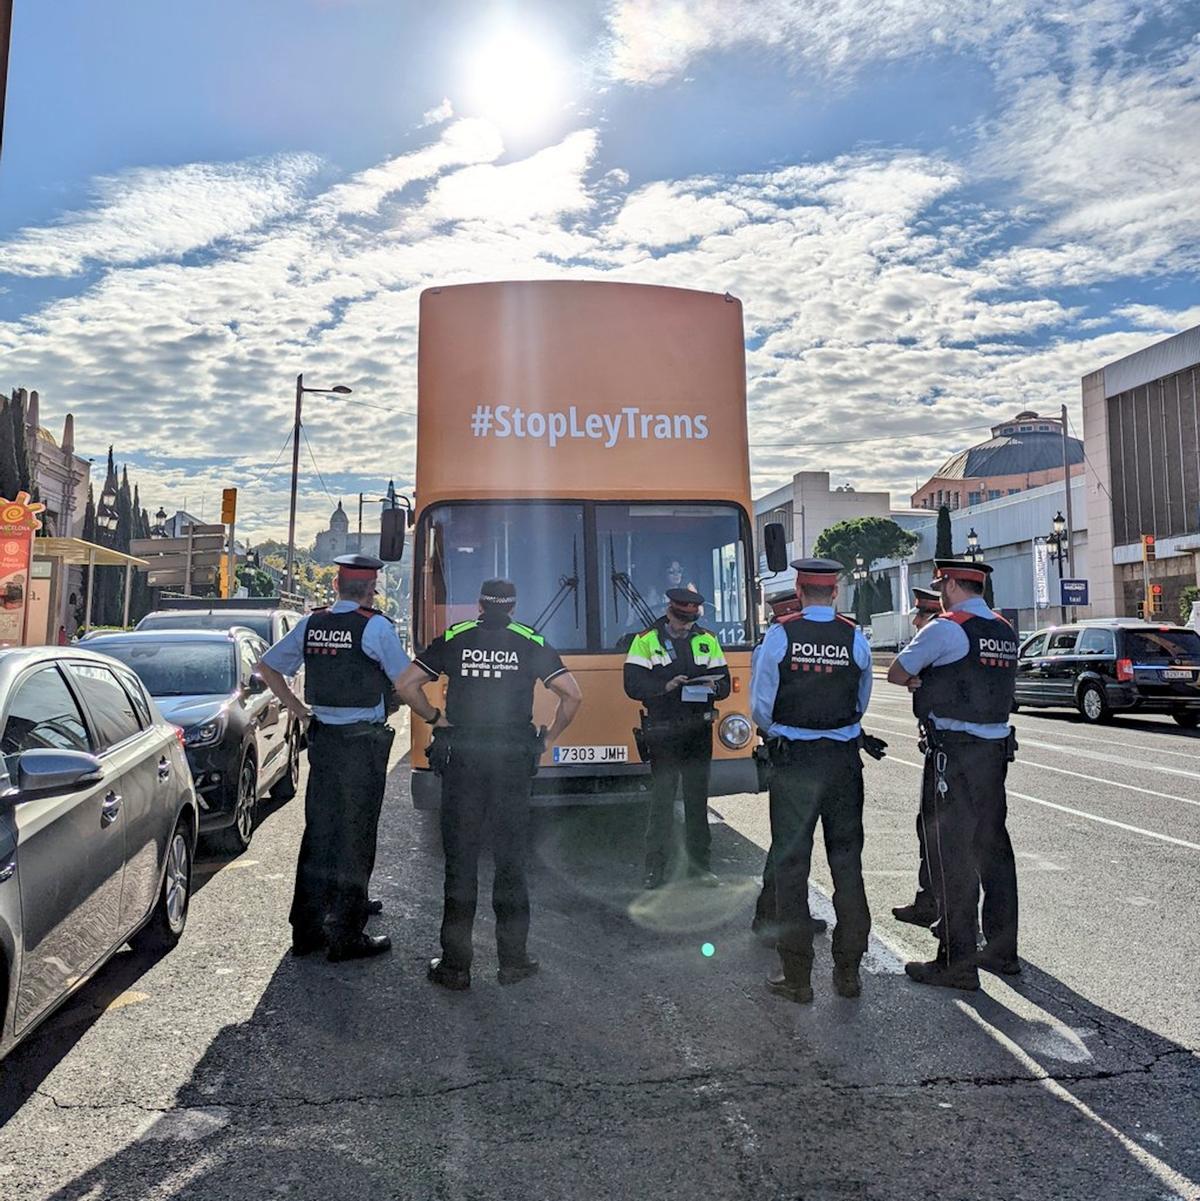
{"x": 1074, "y": 592}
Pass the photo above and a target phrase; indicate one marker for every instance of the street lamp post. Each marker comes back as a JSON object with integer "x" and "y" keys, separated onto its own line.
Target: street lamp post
{"x": 1057, "y": 539}
{"x": 340, "y": 390}
{"x": 972, "y": 545}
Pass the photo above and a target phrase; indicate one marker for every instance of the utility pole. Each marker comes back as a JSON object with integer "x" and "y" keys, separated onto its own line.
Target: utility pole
{"x": 1070, "y": 522}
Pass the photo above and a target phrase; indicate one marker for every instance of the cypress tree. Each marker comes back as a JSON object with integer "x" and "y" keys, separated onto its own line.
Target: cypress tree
{"x": 89, "y": 535}
{"x": 16, "y": 413}
{"x": 945, "y": 538}
{"x": 10, "y": 480}
{"x": 988, "y": 595}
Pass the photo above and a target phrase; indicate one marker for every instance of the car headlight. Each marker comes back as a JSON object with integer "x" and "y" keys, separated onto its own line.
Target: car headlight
{"x": 734, "y": 731}
{"x": 204, "y": 733}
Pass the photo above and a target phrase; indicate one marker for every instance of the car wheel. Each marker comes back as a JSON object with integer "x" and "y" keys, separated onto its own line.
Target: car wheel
{"x": 236, "y": 838}
{"x": 1188, "y": 718}
{"x": 288, "y": 784}
{"x": 1093, "y": 705}
{"x": 166, "y": 923}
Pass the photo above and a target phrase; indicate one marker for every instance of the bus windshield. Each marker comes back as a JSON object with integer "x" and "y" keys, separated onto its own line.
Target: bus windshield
{"x": 587, "y": 574}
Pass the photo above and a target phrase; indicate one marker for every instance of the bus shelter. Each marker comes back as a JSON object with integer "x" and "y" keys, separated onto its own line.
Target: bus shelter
{"x": 59, "y": 555}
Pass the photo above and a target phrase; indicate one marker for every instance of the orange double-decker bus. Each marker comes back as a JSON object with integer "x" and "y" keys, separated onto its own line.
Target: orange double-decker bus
{"x": 588, "y": 442}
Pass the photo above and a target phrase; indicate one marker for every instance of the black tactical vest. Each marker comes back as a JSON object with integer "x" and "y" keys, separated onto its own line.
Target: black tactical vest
{"x": 818, "y": 677}
{"x": 337, "y": 671}
{"x": 978, "y": 687}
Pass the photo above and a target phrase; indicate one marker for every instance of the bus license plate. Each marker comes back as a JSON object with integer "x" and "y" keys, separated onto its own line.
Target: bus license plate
{"x": 591, "y": 754}
{"x": 1176, "y": 675}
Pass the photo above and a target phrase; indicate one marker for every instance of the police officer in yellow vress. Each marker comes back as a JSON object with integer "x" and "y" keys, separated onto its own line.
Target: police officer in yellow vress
{"x": 486, "y": 750}
{"x": 677, "y": 670}
{"x": 808, "y": 691}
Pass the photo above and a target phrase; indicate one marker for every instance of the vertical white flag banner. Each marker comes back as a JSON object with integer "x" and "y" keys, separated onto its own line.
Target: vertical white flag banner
{"x": 1041, "y": 573}
{"x": 904, "y": 601}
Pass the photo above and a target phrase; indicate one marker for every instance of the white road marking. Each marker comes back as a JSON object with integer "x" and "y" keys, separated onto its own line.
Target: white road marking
{"x": 1104, "y": 821}
{"x": 1181, "y": 1186}
{"x": 1064, "y": 771}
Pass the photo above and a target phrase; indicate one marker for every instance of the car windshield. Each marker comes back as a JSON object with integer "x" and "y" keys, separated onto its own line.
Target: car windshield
{"x": 1162, "y": 646}
{"x": 260, "y": 623}
{"x": 177, "y": 668}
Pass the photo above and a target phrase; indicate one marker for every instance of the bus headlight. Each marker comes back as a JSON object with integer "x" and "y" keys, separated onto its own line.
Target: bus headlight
{"x": 734, "y": 731}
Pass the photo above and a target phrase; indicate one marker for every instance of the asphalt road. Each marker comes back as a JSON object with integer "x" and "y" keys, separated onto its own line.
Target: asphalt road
{"x": 638, "y": 1067}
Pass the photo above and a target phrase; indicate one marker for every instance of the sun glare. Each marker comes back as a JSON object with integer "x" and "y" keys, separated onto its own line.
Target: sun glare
{"x": 515, "y": 80}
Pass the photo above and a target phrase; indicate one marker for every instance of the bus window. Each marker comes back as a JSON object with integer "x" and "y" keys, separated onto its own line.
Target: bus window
{"x": 661, "y": 546}
{"x": 537, "y": 546}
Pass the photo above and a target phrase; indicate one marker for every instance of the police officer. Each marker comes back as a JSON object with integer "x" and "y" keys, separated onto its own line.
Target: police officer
{"x": 962, "y": 670}
{"x": 808, "y": 691}
{"x": 488, "y": 750}
{"x": 352, "y": 661}
{"x": 764, "y": 925}
{"x": 927, "y": 604}
{"x": 677, "y": 670}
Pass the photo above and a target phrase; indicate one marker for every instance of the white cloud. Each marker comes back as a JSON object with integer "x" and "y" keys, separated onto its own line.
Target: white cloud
{"x": 160, "y": 212}
{"x": 666, "y": 214}
{"x": 438, "y": 114}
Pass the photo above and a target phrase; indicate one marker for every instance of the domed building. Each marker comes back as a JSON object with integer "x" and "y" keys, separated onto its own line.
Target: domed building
{"x": 338, "y": 540}
{"x": 1022, "y": 453}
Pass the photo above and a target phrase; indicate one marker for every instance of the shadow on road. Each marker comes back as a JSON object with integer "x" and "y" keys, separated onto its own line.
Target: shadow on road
{"x": 636, "y": 1066}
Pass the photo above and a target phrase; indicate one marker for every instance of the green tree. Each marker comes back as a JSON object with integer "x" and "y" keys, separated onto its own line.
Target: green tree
{"x": 89, "y": 535}
{"x": 1187, "y": 597}
{"x": 883, "y": 595}
{"x": 872, "y": 537}
{"x": 945, "y": 538}
{"x": 255, "y": 581}
{"x": 16, "y": 413}
{"x": 989, "y": 596}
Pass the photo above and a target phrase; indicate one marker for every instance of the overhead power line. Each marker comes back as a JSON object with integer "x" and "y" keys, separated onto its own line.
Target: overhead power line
{"x": 876, "y": 438}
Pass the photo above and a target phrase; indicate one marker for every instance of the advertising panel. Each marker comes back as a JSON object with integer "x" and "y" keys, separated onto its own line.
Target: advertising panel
{"x": 18, "y": 522}
{"x": 556, "y": 388}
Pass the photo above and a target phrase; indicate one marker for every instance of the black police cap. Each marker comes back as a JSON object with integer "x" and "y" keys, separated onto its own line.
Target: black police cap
{"x": 925, "y": 598}
{"x": 820, "y": 572}
{"x": 960, "y": 569}
{"x": 497, "y": 592}
{"x": 684, "y": 596}
{"x": 359, "y": 562}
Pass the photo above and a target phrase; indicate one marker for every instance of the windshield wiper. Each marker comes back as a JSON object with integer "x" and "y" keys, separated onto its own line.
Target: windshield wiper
{"x": 624, "y": 587}
{"x": 566, "y": 584}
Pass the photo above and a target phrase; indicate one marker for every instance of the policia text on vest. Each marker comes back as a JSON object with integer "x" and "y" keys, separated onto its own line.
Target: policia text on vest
{"x": 352, "y": 660}
{"x": 677, "y": 670}
{"x": 961, "y": 668}
{"x": 486, "y": 750}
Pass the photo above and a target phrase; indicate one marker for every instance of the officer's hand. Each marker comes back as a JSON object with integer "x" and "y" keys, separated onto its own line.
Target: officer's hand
{"x": 675, "y": 682}
{"x": 298, "y": 709}
{"x": 913, "y": 684}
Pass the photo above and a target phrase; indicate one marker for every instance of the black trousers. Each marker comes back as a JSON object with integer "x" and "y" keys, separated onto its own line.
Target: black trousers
{"x": 967, "y": 844}
{"x": 485, "y": 801}
{"x": 764, "y": 907}
{"x": 811, "y": 780}
{"x": 925, "y": 895}
{"x": 680, "y": 761}
{"x": 347, "y": 773}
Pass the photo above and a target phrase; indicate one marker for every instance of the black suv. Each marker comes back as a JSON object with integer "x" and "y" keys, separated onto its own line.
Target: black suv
{"x": 1105, "y": 667}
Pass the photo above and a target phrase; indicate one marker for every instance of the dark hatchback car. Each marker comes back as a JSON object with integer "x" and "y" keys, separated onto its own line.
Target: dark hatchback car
{"x": 238, "y": 743}
{"x": 1102, "y": 668}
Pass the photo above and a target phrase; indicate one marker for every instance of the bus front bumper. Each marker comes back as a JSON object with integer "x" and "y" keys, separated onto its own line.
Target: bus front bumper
{"x": 580, "y": 785}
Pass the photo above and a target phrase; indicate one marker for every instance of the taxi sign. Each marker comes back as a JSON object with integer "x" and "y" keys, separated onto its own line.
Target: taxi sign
{"x": 1073, "y": 592}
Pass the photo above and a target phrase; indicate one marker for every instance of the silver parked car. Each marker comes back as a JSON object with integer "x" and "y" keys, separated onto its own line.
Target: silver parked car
{"x": 98, "y": 826}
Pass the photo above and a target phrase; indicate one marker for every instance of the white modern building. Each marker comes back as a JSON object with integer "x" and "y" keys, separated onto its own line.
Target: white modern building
{"x": 808, "y": 505}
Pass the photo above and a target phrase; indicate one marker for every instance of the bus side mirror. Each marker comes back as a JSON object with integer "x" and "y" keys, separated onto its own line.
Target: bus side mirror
{"x": 775, "y": 544}
{"x": 391, "y": 535}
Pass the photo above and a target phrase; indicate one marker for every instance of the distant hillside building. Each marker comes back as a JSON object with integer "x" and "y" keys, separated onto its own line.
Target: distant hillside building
{"x": 59, "y": 474}
{"x": 338, "y": 540}
{"x": 1026, "y": 452}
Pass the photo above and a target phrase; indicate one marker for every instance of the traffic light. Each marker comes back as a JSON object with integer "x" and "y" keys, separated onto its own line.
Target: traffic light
{"x": 1141, "y": 610}
{"x": 1156, "y": 598}
{"x": 1148, "y": 553}
{"x": 228, "y": 506}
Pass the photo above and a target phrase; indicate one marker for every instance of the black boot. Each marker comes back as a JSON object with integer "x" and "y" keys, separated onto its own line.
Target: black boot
{"x": 455, "y": 979}
{"x": 846, "y": 981}
{"x": 365, "y": 946}
{"x": 797, "y": 987}
{"x": 916, "y": 914}
{"x": 514, "y": 973}
{"x": 944, "y": 975}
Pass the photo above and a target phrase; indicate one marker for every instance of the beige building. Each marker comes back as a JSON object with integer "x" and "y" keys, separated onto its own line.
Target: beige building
{"x": 1141, "y": 430}
{"x": 808, "y": 505}
{"x": 1024, "y": 452}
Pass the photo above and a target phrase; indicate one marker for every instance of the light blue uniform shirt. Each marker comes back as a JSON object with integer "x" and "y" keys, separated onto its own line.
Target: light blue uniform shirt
{"x": 379, "y": 642}
{"x": 764, "y": 681}
{"x": 940, "y": 643}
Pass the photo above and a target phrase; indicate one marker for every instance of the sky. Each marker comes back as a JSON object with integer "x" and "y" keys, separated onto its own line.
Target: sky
{"x": 935, "y": 214}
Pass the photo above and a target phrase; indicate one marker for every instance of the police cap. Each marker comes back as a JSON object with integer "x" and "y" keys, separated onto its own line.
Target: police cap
{"x": 684, "y": 596}
{"x": 358, "y": 567}
{"x": 960, "y": 569}
{"x": 928, "y": 600}
{"x": 497, "y": 592}
{"x": 820, "y": 573}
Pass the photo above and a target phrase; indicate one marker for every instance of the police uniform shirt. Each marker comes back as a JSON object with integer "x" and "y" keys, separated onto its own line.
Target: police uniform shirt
{"x": 764, "y": 681}
{"x": 491, "y": 665}
{"x": 939, "y": 644}
{"x": 379, "y": 642}
{"x": 655, "y": 658}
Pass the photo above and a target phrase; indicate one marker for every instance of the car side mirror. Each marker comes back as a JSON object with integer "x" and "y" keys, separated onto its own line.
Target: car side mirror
{"x": 39, "y": 772}
{"x": 256, "y": 683}
{"x": 391, "y": 535}
{"x": 775, "y": 544}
